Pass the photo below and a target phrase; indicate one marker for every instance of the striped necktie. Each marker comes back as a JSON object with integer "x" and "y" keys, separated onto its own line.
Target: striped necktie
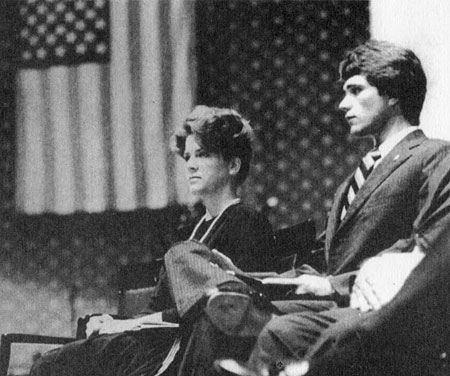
{"x": 365, "y": 167}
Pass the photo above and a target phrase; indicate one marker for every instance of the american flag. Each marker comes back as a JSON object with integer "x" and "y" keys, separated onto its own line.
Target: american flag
{"x": 100, "y": 88}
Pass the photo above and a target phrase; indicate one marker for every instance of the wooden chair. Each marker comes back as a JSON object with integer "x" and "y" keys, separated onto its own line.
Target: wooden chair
{"x": 136, "y": 283}
{"x": 296, "y": 245}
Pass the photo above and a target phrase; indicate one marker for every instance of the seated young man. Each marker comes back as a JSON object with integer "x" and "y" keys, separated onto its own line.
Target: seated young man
{"x": 402, "y": 327}
{"x": 374, "y": 210}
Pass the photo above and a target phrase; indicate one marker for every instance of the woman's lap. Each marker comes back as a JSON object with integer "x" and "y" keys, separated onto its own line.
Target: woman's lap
{"x": 111, "y": 354}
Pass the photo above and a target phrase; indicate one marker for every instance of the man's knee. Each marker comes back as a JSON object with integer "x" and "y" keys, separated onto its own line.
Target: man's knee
{"x": 274, "y": 334}
{"x": 291, "y": 334}
{"x": 276, "y": 325}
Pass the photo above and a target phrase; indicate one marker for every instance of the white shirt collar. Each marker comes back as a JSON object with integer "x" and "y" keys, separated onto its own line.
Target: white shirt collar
{"x": 386, "y": 146}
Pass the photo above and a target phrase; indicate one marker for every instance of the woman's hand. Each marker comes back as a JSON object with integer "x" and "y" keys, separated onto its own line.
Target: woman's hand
{"x": 95, "y": 323}
{"x": 105, "y": 324}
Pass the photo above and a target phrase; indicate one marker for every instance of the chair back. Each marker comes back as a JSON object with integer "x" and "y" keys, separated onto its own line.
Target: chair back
{"x": 294, "y": 244}
{"x": 136, "y": 283}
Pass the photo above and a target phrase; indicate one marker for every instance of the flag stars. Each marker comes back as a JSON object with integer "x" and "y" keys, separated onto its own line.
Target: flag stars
{"x": 60, "y": 51}
{"x": 90, "y": 14}
{"x": 32, "y": 20}
{"x": 60, "y": 29}
{"x": 80, "y": 5}
{"x": 80, "y": 25}
{"x": 80, "y": 49}
{"x": 42, "y": 29}
{"x": 50, "y": 39}
{"x": 69, "y": 17}
{"x": 51, "y": 18}
{"x": 24, "y": 33}
{"x": 100, "y": 24}
{"x": 100, "y": 48}
{"x": 60, "y": 7}
{"x": 34, "y": 40}
{"x": 41, "y": 53}
{"x": 99, "y": 3}
{"x": 27, "y": 55}
{"x": 41, "y": 9}
{"x": 63, "y": 29}
{"x": 71, "y": 37}
{"x": 89, "y": 37}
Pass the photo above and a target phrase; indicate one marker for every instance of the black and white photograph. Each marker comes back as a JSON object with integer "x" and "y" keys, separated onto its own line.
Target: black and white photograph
{"x": 224, "y": 187}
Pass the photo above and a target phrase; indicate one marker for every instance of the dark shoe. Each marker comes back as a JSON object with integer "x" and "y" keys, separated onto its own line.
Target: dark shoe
{"x": 231, "y": 367}
{"x": 237, "y": 310}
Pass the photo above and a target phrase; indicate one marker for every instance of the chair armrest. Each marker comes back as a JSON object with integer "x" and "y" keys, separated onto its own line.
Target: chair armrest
{"x": 294, "y": 244}
{"x": 8, "y": 339}
{"x": 296, "y": 239}
{"x": 136, "y": 283}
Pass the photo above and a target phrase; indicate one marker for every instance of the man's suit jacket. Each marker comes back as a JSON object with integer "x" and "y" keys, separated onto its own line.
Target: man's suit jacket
{"x": 384, "y": 209}
{"x": 410, "y": 335}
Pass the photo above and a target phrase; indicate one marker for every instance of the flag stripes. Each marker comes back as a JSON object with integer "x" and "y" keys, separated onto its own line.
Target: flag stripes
{"x": 95, "y": 136}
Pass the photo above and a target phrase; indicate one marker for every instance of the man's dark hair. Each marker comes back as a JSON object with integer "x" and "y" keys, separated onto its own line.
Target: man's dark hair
{"x": 395, "y": 71}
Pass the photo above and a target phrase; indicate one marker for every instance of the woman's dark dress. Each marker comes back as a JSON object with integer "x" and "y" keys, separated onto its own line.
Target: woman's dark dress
{"x": 241, "y": 233}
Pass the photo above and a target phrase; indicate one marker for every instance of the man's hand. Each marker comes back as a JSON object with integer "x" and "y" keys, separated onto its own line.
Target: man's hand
{"x": 305, "y": 284}
{"x": 300, "y": 368}
{"x": 381, "y": 278}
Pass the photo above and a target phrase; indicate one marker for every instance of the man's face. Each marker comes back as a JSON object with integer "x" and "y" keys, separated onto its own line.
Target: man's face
{"x": 366, "y": 111}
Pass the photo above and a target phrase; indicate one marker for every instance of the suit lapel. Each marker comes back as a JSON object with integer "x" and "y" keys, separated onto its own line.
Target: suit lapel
{"x": 335, "y": 212}
{"x": 396, "y": 157}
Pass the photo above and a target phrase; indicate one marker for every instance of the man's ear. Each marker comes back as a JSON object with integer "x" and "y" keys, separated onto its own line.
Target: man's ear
{"x": 234, "y": 166}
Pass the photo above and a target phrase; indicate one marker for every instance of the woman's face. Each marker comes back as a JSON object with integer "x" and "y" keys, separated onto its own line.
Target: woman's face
{"x": 207, "y": 172}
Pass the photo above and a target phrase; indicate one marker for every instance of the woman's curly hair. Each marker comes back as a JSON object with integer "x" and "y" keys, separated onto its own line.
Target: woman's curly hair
{"x": 218, "y": 130}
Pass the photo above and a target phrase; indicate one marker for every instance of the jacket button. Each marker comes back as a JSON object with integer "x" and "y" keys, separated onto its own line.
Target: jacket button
{"x": 443, "y": 356}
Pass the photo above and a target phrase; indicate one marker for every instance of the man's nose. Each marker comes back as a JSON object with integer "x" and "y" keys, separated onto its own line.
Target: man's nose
{"x": 344, "y": 105}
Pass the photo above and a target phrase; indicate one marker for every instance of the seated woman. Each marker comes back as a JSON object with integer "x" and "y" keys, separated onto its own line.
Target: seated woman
{"x": 216, "y": 145}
